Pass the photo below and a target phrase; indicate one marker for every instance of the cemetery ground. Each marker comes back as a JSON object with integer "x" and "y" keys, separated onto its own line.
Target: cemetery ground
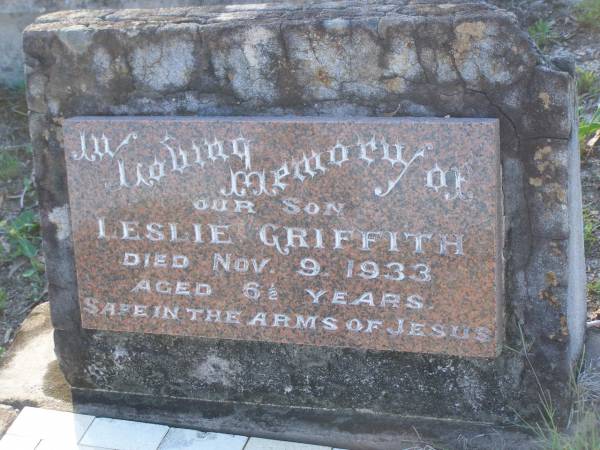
{"x": 558, "y": 28}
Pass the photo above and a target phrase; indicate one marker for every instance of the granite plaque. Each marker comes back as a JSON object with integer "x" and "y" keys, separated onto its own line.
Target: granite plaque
{"x": 377, "y": 233}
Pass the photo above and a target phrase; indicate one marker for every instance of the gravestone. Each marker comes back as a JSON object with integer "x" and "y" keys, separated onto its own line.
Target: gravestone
{"x": 356, "y": 225}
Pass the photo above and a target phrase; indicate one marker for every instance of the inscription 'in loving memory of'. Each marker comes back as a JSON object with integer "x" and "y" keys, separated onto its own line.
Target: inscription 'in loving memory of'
{"x": 371, "y": 233}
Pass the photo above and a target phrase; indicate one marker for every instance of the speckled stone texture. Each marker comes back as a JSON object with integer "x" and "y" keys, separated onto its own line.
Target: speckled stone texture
{"x": 328, "y": 232}
{"x": 329, "y": 59}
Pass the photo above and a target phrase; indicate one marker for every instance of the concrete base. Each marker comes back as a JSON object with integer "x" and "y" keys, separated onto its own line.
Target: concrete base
{"x": 29, "y": 373}
{"x": 29, "y": 376}
{"x": 351, "y": 429}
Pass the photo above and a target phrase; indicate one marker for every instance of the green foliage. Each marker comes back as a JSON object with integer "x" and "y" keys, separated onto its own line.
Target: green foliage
{"x": 542, "y": 34}
{"x": 587, "y": 82}
{"x": 28, "y": 192}
{"x": 3, "y": 298}
{"x": 10, "y": 166}
{"x": 587, "y": 13}
{"x": 587, "y": 129}
{"x": 20, "y": 237}
{"x": 585, "y": 434}
{"x": 20, "y": 87}
{"x": 584, "y": 418}
{"x": 590, "y": 225}
{"x": 594, "y": 288}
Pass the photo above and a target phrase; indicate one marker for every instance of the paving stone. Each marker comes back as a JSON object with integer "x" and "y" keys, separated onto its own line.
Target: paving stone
{"x": 181, "y": 439}
{"x": 13, "y": 442}
{"x": 124, "y": 434}
{"x": 47, "y": 424}
{"x": 271, "y": 444}
{"x": 58, "y": 445}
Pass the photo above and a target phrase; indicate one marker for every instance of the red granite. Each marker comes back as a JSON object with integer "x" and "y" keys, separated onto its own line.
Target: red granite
{"x": 377, "y": 233}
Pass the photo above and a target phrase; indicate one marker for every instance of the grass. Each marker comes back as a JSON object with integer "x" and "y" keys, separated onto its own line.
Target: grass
{"x": 590, "y": 225}
{"x": 21, "y": 260}
{"x": 594, "y": 288}
{"x": 587, "y": 82}
{"x": 588, "y": 127}
{"x": 583, "y": 430}
{"x": 20, "y": 239}
{"x": 14, "y": 135}
{"x": 3, "y": 299}
{"x": 10, "y": 166}
{"x": 587, "y": 13}
{"x": 585, "y": 435}
{"x": 542, "y": 33}
{"x": 19, "y": 231}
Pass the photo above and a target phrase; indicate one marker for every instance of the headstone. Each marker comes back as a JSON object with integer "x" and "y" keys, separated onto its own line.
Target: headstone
{"x": 248, "y": 229}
